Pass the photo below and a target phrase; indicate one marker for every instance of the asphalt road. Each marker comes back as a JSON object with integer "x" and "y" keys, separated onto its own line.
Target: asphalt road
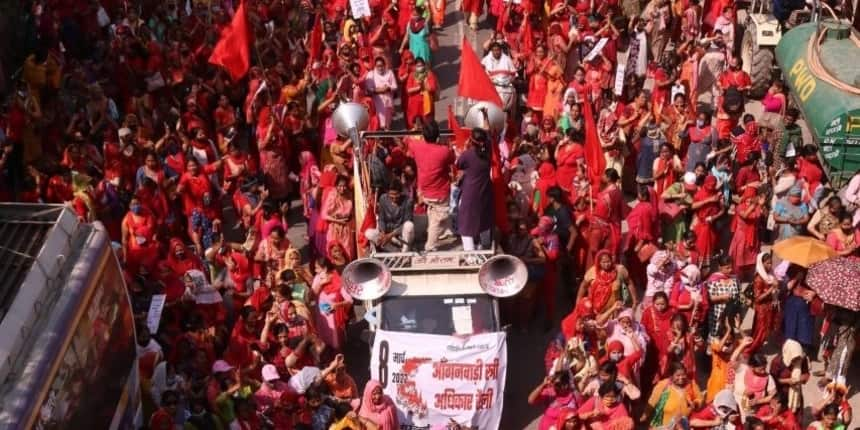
{"x": 525, "y": 348}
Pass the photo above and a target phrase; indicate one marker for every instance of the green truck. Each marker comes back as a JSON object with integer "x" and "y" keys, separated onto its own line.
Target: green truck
{"x": 821, "y": 65}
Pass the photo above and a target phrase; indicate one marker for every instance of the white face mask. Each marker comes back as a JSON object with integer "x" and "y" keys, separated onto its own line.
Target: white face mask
{"x": 615, "y": 356}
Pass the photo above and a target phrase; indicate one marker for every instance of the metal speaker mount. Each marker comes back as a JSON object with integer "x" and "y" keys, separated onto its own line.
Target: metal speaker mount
{"x": 350, "y": 116}
{"x": 503, "y": 276}
{"x": 475, "y": 118}
{"x": 366, "y": 279}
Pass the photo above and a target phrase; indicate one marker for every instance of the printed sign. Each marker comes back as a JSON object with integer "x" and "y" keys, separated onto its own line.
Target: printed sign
{"x": 435, "y": 261}
{"x": 619, "y": 79}
{"x": 360, "y": 8}
{"x": 597, "y": 48}
{"x": 153, "y": 317}
{"x": 433, "y": 379}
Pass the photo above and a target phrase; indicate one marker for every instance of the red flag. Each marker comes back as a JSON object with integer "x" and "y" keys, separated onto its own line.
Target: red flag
{"x": 368, "y": 223}
{"x": 315, "y": 40}
{"x": 500, "y": 189}
{"x": 233, "y": 49}
{"x": 594, "y": 158}
{"x": 461, "y": 134}
{"x": 474, "y": 82}
{"x": 528, "y": 40}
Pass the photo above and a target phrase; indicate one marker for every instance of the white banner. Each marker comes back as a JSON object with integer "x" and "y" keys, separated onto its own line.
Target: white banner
{"x": 153, "y": 317}
{"x": 434, "y": 379}
{"x": 360, "y": 8}
{"x": 598, "y": 47}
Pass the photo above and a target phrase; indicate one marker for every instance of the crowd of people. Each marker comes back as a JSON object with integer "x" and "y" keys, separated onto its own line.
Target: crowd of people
{"x": 118, "y": 114}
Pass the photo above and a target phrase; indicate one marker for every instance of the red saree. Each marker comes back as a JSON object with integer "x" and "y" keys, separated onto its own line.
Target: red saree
{"x": 706, "y": 236}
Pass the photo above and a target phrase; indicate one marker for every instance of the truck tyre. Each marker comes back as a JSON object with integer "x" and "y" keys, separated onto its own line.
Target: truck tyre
{"x": 758, "y": 62}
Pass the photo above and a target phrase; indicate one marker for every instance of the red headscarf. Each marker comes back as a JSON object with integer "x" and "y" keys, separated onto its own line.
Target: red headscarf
{"x": 582, "y": 311}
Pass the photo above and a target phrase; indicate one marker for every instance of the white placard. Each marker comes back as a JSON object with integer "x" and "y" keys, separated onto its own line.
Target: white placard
{"x": 598, "y": 47}
{"x": 433, "y": 379}
{"x": 153, "y": 317}
{"x": 360, "y": 8}
{"x": 619, "y": 79}
{"x": 462, "y": 317}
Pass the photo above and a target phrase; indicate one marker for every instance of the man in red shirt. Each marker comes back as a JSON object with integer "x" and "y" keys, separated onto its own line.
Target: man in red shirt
{"x": 433, "y": 160}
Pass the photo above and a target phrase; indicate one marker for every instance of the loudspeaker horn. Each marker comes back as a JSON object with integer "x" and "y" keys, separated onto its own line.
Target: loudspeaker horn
{"x": 503, "y": 276}
{"x": 366, "y": 279}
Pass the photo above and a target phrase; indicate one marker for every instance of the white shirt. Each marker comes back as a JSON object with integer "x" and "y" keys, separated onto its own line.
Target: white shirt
{"x": 502, "y": 64}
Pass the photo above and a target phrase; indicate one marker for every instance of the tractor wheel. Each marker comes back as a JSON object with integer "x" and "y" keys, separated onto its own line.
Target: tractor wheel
{"x": 758, "y": 62}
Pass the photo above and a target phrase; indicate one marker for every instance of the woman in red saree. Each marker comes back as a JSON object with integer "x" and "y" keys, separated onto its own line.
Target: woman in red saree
{"x": 193, "y": 185}
{"x": 179, "y": 260}
{"x": 707, "y": 206}
{"x": 606, "y": 411}
{"x": 334, "y": 302}
{"x": 568, "y": 155}
{"x": 657, "y": 320}
{"x": 745, "y": 243}
{"x": 407, "y": 66}
{"x": 536, "y": 70}
{"x": 225, "y": 119}
{"x": 421, "y": 92}
{"x": 613, "y": 199}
{"x": 809, "y": 168}
{"x": 602, "y": 284}
{"x": 642, "y": 232}
{"x": 681, "y": 348}
{"x": 765, "y": 302}
{"x": 546, "y": 179}
{"x": 667, "y": 168}
{"x": 138, "y": 237}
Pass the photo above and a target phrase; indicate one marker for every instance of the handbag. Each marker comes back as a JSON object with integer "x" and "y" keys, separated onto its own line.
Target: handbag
{"x": 671, "y": 210}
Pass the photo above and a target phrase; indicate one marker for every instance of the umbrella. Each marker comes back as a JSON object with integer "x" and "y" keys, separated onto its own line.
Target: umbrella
{"x": 837, "y": 282}
{"x": 803, "y": 250}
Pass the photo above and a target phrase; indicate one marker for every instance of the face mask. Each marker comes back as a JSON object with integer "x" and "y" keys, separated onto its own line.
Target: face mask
{"x": 207, "y": 200}
{"x": 135, "y": 209}
{"x": 615, "y": 356}
{"x": 128, "y": 151}
{"x": 419, "y": 68}
{"x": 700, "y": 123}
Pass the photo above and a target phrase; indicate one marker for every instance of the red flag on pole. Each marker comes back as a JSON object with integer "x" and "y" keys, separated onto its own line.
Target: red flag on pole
{"x": 500, "y": 189}
{"x": 233, "y": 49}
{"x": 315, "y": 40}
{"x": 594, "y": 158}
{"x": 369, "y": 222}
{"x": 474, "y": 82}
{"x": 461, "y": 134}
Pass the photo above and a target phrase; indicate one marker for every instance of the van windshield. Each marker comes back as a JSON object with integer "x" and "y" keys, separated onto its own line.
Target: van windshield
{"x": 442, "y": 315}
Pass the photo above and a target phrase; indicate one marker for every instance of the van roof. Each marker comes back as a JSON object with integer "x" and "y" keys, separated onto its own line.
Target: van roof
{"x": 434, "y": 283}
